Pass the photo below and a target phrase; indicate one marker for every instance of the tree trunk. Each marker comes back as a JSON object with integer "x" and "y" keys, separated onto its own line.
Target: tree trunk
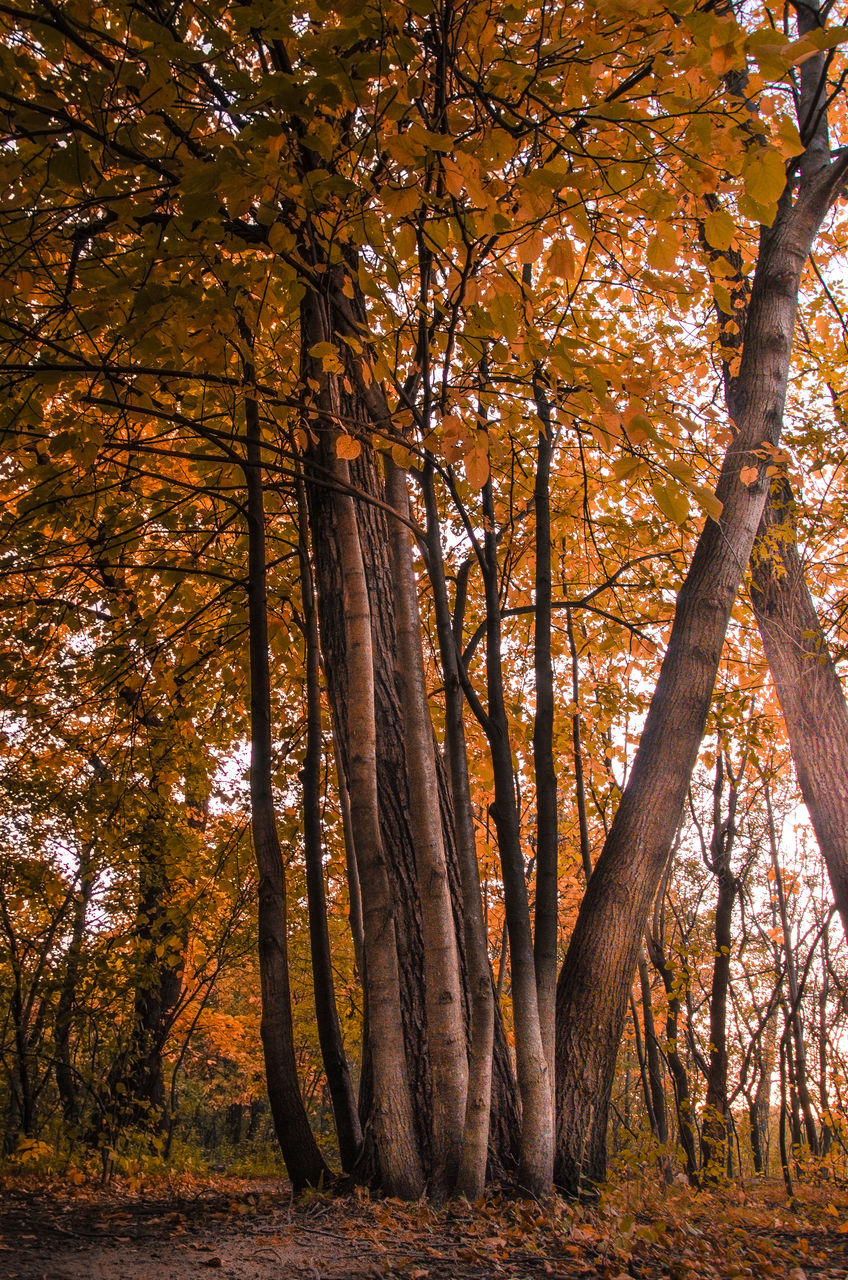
{"x": 652, "y": 1054}
{"x": 714, "y": 1127}
{"x": 806, "y": 682}
{"x": 65, "y": 1075}
{"x": 304, "y": 1162}
{"x": 594, "y": 983}
{"x": 442, "y": 982}
{"x": 394, "y": 801}
{"x": 333, "y": 1054}
{"x": 547, "y": 832}
{"x": 537, "y": 1146}
{"x": 475, "y": 1140}
{"x": 760, "y": 1111}
{"x": 795, "y": 1030}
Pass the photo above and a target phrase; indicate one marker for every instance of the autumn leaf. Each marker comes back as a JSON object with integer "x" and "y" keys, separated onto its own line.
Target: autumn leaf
{"x": 347, "y": 447}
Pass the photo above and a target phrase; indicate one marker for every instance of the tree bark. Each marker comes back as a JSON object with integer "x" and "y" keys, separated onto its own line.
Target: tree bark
{"x": 654, "y": 1065}
{"x": 794, "y": 1028}
{"x": 65, "y": 1075}
{"x": 442, "y": 981}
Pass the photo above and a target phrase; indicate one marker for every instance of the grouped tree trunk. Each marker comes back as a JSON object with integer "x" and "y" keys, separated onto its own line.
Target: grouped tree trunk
{"x": 395, "y": 808}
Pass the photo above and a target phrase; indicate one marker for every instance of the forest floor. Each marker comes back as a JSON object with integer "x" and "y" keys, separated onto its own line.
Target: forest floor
{"x": 242, "y": 1229}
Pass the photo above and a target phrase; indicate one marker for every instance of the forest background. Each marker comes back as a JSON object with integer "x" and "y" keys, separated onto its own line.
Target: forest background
{"x": 395, "y": 398}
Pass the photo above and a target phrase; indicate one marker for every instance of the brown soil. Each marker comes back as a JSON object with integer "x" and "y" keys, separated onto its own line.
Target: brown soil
{"x": 250, "y": 1230}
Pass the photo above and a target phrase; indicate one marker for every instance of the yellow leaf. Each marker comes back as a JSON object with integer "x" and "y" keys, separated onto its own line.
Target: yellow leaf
{"x": 624, "y": 467}
{"x": 401, "y": 457}
{"x": 708, "y": 502}
{"x": 749, "y": 476}
{"x": 719, "y": 229}
{"x": 672, "y": 502}
{"x": 663, "y": 248}
{"x": 764, "y": 176}
{"x": 561, "y": 260}
{"x": 477, "y": 463}
{"x": 347, "y": 448}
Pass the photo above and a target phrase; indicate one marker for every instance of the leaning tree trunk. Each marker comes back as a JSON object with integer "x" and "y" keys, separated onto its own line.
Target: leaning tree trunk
{"x": 595, "y": 980}
{"x": 807, "y": 684}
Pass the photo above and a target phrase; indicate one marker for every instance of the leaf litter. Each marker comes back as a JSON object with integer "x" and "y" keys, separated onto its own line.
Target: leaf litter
{"x": 252, "y": 1229}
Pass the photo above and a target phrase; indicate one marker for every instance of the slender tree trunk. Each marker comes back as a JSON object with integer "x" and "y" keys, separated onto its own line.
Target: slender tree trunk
{"x": 65, "y": 1075}
{"x": 594, "y": 983}
{"x": 652, "y": 1054}
{"x": 760, "y": 1114}
{"x": 304, "y": 1162}
{"x": 354, "y": 892}
{"x": 795, "y": 1028}
{"x": 547, "y": 832}
{"x": 824, "y": 994}
{"x": 577, "y": 746}
{"x": 475, "y": 1139}
{"x": 714, "y": 1127}
{"x": 333, "y": 1054}
{"x": 442, "y": 984}
{"x": 536, "y": 1166}
{"x": 784, "y": 1152}
{"x": 687, "y": 1129}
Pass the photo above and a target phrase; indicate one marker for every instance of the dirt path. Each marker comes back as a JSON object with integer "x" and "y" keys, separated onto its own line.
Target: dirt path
{"x": 242, "y": 1230}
